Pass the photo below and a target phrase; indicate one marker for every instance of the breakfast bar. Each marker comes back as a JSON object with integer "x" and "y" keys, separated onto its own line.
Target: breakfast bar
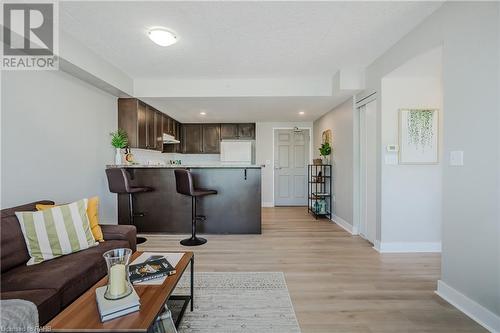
{"x": 236, "y": 209}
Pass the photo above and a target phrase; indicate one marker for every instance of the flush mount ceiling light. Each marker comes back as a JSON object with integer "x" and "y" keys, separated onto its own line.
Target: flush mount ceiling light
{"x": 203, "y": 113}
{"x": 302, "y": 113}
{"x": 162, "y": 36}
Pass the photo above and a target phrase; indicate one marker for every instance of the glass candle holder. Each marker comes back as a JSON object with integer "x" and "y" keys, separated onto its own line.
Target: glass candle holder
{"x": 117, "y": 261}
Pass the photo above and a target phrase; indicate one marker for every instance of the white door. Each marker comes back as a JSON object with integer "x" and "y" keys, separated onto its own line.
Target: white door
{"x": 291, "y": 154}
{"x": 368, "y": 170}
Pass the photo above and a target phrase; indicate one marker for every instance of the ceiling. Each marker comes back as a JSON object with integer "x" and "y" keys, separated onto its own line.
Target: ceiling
{"x": 242, "y": 40}
{"x": 228, "y": 39}
{"x": 244, "y": 109}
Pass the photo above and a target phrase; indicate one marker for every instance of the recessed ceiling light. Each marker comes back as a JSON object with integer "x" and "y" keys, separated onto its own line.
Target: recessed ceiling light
{"x": 162, "y": 36}
{"x": 203, "y": 113}
{"x": 302, "y": 113}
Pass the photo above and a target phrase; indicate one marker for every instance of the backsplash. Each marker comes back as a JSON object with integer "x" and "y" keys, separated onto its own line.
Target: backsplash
{"x": 143, "y": 156}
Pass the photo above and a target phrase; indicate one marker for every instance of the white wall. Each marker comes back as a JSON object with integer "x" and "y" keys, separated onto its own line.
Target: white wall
{"x": 55, "y": 139}
{"x": 469, "y": 33}
{"x": 264, "y": 137}
{"x": 340, "y": 121}
{"x": 411, "y": 194}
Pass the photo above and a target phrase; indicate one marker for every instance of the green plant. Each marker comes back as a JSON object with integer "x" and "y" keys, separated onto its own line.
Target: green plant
{"x": 325, "y": 149}
{"x": 119, "y": 139}
{"x": 420, "y": 127}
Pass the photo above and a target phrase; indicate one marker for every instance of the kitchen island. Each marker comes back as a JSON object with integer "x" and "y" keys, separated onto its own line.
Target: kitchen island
{"x": 235, "y": 209}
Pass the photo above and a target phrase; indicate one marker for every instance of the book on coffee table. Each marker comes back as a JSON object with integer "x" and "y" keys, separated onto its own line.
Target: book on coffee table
{"x": 172, "y": 257}
{"x": 153, "y": 268}
{"x": 110, "y": 309}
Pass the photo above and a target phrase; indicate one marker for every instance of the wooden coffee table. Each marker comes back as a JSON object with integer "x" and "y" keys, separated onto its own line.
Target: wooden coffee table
{"x": 82, "y": 315}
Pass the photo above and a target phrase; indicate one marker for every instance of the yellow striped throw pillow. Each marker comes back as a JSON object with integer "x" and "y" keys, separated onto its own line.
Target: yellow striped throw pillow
{"x": 56, "y": 231}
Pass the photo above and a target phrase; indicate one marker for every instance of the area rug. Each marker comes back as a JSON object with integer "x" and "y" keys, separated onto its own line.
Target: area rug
{"x": 238, "y": 302}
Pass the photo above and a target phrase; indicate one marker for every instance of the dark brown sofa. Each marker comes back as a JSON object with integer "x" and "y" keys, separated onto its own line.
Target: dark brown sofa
{"x": 54, "y": 284}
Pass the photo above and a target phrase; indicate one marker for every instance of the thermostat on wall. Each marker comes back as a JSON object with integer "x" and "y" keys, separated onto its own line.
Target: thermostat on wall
{"x": 392, "y": 148}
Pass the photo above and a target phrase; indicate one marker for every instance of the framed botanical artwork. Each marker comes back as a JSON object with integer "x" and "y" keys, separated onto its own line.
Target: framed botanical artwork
{"x": 418, "y": 136}
{"x": 326, "y": 136}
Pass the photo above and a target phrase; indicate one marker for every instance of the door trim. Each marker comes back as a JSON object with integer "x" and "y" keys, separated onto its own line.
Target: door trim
{"x": 310, "y": 148}
{"x": 357, "y": 192}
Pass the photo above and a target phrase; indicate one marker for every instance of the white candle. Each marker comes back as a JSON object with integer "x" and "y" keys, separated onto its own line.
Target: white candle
{"x": 117, "y": 280}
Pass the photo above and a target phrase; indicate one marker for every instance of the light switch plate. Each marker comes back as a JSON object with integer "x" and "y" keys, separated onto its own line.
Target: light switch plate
{"x": 457, "y": 158}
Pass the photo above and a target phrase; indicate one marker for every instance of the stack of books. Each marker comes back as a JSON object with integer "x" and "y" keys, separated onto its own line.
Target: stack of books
{"x": 110, "y": 309}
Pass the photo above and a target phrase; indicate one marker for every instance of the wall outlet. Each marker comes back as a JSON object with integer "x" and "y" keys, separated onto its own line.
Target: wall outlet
{"x": 457, "y": 158}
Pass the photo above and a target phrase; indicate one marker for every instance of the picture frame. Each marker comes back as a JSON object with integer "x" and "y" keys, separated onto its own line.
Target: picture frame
{"x": 418, "y": 136}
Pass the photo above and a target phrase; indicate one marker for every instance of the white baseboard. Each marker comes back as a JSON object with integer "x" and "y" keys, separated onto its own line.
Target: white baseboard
{"x": 344, "y": 225}
{"x": 407, "y": 247}
{"x": 475, "y": 311}
{"x": 267, "y": 204}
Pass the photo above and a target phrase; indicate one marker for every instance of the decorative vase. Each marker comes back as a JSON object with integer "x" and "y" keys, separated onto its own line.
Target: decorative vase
{"x": 326, "y": 160}
{"x": 118, "y": 156}
{"x": 117, "y": 261}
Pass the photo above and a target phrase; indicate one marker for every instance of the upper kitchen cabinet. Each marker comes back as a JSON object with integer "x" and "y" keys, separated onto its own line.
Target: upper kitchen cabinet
{"x": 132, "y": 119}
{"x": 228, "y": 131}
{"x": 159, "y": 117}
{"x": 211, "y": 138}
{"x": 144, "y": 124}
{"x": 200, "y": 138}
{"x": 192, "y": 142}
{"x": 244, "y": 131}
{"x": 150, "y": 127}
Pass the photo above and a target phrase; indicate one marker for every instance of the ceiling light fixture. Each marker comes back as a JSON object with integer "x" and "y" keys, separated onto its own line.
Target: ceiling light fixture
{"x": 203, "y": 113}
{"x": 162, "y": 36}
{"x": 302, "y": 113}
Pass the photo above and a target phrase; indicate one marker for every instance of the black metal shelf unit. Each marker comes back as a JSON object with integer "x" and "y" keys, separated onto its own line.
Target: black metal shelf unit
{"x": 319, "y": 190}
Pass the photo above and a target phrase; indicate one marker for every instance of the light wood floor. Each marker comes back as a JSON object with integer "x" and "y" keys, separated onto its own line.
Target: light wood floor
{"x": 337, "y": 282}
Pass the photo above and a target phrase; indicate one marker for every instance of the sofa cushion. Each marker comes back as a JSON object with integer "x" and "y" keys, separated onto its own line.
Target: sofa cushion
{"x": 47, "y": 301}
{"x": 92, "y": 214}
{"x": 14, "y": 251}
{"x": 56, "y": 231}
{"x": 71, "y": 275}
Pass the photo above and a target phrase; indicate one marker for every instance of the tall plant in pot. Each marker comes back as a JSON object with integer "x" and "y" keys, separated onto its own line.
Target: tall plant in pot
{"x": 325, "y": 150}
{"x": 119, "y": 140}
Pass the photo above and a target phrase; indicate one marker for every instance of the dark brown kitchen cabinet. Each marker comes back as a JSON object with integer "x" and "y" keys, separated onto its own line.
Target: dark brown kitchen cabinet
{"x": 175, "y": 129}
{"x": 166, "y": 125}
{"x": 159, "y": 130}
{"x": 144, "y": 124}
{"x": 211, "y": 138}
{"x": 228, "y": 131}
{"x": 244, "y": 131}
{"x": 150, "y": 127}
{"x": 142, "y": 130}
{"x": 200, "y": 138}
{"x": 192, "y": 142}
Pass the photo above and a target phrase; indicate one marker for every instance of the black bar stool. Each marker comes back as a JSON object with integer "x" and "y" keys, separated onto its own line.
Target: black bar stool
{"x": 185, "y": 186}
{"x": 119, "y": 182}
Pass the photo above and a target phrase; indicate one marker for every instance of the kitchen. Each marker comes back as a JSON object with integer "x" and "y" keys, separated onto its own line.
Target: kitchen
{"x": 220, "y": 156}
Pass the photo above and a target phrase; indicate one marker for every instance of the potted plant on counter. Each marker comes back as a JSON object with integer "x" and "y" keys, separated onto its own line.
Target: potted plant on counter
{"x": 325, "y": 150}
{"x": 119, "y": 140}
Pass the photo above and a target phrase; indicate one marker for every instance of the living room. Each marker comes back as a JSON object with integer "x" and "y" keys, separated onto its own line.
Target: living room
{"x": 226, "y": 116}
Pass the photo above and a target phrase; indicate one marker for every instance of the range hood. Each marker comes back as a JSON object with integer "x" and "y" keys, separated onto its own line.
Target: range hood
{"x": 169, "y": 139}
